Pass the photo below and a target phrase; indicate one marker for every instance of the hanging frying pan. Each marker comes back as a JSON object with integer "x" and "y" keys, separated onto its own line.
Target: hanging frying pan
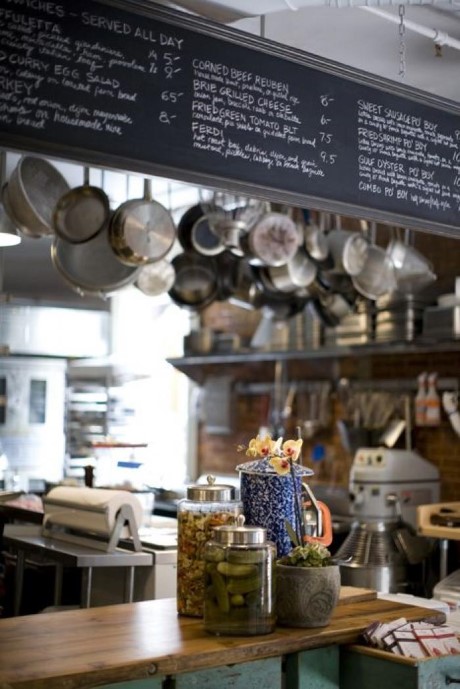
{"x": 156, "y": 278}
{"x": 141, "y": 231}
{"x": 91, "y": 267}
{"x": 185, "y": 226}
{"x": 81, "y": 213}
{"x": 196, "y": 284}
{"x": 34, "y": 188}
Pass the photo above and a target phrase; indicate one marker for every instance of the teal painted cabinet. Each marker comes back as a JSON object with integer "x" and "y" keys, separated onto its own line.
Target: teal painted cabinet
{"x": 371, "y": 669}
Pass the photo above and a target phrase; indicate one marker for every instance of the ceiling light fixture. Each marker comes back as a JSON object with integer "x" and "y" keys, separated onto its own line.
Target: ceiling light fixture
{"x": 9, "y": 236}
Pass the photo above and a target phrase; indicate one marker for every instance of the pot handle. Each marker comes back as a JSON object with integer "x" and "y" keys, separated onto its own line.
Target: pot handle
{"x": 147, "y": 189}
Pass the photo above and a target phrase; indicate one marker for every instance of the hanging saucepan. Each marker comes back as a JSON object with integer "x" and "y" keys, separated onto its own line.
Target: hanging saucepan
{"x": 315, "y": 239}
{"x": 196, "y": 283}
{"x": 141, "y": 230}
{"x": 205, "y": 240}
{"x": 156, "y": 278}
{"x": 34, "y": 188}
{"x": 279, "y": 305}
{"x": 185, "y": 225}
{"x": 91, "y": 268}
{"x": 296, "y": 274}
{"x": 228, "y": 267}
{"x": 81, "y": 213}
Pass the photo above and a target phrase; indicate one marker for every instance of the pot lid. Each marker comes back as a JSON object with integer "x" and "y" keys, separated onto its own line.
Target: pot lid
{"x": 210, "y": 492}
{"x": 238, "y": 534}
{"x": 262, "y": 466}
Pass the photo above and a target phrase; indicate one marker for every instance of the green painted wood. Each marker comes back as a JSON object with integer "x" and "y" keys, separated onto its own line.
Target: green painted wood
{"x": 368, "y": 672}
{"x": 257, "y": 674}
{"x": 315, "y": 669}
{"x": 151, "y": 683}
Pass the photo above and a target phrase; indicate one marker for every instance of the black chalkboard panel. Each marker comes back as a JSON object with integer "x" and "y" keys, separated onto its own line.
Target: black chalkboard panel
{"x": 135, "y": 87}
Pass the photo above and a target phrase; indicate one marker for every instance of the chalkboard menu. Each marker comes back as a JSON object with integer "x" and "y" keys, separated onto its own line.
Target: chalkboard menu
{"x": 135, "y": 87}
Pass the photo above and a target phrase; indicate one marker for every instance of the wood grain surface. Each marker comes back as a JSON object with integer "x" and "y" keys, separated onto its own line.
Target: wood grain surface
{"x": 77, "y": 649}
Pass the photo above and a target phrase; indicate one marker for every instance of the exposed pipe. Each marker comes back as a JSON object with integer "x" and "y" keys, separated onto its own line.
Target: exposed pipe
{"x": 439, "y": 38}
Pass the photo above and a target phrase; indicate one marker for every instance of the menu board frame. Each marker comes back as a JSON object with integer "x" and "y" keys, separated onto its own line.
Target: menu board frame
{"x": 267, "y": 67}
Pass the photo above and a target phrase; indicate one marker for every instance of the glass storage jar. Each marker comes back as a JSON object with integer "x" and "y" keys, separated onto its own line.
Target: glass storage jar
{"x": 204, "y": 507}
{"x": 239, "y": 581}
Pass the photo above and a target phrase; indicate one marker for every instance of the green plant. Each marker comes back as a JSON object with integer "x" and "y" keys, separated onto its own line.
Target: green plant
{"x": 308, "y": 555}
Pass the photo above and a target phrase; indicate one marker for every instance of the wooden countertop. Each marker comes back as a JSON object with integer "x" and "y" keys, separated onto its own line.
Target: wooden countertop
{"x": 77, "y": 649}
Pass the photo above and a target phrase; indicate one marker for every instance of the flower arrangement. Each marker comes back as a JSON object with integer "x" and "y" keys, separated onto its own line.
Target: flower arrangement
{"x": 282, "y": 455}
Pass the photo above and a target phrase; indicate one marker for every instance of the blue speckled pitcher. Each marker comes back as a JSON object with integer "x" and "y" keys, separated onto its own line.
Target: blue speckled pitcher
{"x": 269, "y": 499}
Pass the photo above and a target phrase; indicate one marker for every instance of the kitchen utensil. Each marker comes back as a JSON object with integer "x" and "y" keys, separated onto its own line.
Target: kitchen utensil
{"x": 8, "y": 229}
{"x": 316, "y": 243}
{"x": 377, "y": 275}
{"x": 81, "y": 213}
{"x": 299, "y": 272}
{"x": 349, "y": 250}
{"x": 196, "y": 282}
{"x": 141, "y": 230}
{"x": 156, "y": 278}
{"x": 230, "y": 216}
{"x": 271, "y": 241}
{"x": 391, "y": 434}
{"x": 33, "y": 190}
{"x": 204, "y": 238}
{"x": 185, "y": 225}
{"x": 91, "y": 267}
{"x": 412, "y": 270}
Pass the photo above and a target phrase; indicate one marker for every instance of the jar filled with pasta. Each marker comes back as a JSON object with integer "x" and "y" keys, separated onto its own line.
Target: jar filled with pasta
{"x": 205, "y": 507}
{"x": 239, "y": 581}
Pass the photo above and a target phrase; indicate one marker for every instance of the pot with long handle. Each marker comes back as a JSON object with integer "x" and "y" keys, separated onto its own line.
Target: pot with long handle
{"x": 141, "y": 231}
{"x": 81, "y": 213}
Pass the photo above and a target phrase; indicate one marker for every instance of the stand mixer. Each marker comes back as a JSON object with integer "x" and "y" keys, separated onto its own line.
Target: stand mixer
{"x": 382, "y": 551}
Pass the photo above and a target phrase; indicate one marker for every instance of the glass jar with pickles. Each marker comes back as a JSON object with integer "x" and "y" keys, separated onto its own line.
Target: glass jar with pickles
{"x": 205, "y": 507}
{"x": 239, "y": 581}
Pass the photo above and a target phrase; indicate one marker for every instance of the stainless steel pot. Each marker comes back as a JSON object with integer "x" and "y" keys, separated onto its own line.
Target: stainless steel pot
{"x": 81, "y": 213}
{"x": 196, "y": 284}
{"x": 141, "y": 231}
{"x": 297, "y": 273}
{"x": 156, "y": 278}
{"x": 34, "y": 189}
{"x": 91, "y": 267}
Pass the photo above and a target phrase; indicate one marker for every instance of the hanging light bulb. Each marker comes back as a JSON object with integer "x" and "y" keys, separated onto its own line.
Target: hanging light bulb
{"x": 9, "y": 236}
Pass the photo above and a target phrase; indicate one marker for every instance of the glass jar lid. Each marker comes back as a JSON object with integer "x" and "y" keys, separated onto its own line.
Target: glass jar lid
{"x": 238, "y": 534}
{"x": 210, "y": 491}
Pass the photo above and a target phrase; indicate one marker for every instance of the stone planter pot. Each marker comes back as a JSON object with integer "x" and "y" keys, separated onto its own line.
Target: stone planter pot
{"x": 306, "y": 596}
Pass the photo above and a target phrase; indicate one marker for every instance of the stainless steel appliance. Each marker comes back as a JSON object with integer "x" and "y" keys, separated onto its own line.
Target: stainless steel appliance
{"x": 32, "y": 416}
{"x": 382, "y": 551}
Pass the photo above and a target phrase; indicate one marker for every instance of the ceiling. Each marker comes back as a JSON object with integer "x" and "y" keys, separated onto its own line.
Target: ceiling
{"x": 423, "y": 52}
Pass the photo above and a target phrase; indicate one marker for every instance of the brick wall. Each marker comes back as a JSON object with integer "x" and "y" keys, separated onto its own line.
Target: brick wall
{"x": 439, "y": 445}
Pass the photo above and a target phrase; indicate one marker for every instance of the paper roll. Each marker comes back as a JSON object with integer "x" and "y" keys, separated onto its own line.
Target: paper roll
{"x": 92, "y": 510}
